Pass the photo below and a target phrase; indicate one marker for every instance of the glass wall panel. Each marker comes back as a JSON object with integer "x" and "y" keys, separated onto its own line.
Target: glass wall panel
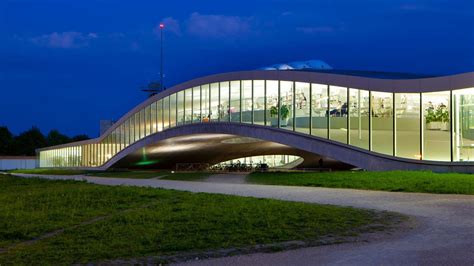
{"x": 302, "y": 114}
{"x": 148, "y": 120}
{"x": 436, "y": 126}
{"x": 180, "y": 107}
{"x": 188, "y": 106}
{"x": 173, "y": 110}
{"x": 319, "y": 110}
{"x": 224, "y": 106}
{"x": 153, "y": 118}
{"x": 142, "y": 123}
{"x": 197, "y": 104}
{"x": 259, "y": 102}
{"x": 271, "y": 107}
{"x": 137, "y": 126}
{"x": 235, "y": 101}
{"x": 338, "y": 113}
{"x": 247, "y": 101}
{"x": 205, "y": 98}
{"x": 359, "y": 118}
{"x": 214, "y": 102}
{"x": 159, "y": 111}
{"x": 463, "y": 127}
{"x": 166, "y": 112}
{"x": 382, "y": 122}
{"x": 132, "y": 129}
{"x": 286, "y": 105}
{"x": 407, "y": 125}
{"x": 126, "y": 128}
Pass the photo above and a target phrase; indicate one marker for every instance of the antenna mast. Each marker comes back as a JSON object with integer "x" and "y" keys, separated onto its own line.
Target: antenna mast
{"x": 162, "y": 26}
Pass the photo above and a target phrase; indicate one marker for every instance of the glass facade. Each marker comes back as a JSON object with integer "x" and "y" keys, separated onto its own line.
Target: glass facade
{"x": 407, "y": 125}
{"x": 437, "y": 126}
{"x": 382, "y": 122}
{"x": 463, "y": 125}
{"x": 359, "y": 118}
{"x": 338, "y": 113}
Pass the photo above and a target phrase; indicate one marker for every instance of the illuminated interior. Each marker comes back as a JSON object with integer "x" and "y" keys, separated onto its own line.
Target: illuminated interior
{"x": 434, "y": 126}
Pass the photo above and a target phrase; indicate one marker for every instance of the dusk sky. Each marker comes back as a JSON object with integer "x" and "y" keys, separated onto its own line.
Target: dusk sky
{"x": 67, "y": 64}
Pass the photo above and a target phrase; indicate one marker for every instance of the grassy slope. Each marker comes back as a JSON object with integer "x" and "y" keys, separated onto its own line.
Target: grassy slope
{"x": 406, "y": 181}
{"x": 129, "y": 174}
{"x": 45, "y": 171}
{"x": 156, "y": 221}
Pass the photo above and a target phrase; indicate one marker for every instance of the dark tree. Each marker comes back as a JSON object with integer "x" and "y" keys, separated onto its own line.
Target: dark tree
{"x": 6, "y": 141}
{"x": 56, "y": 138}
{"x": 27, "y": 142}
{"x": 79, "y": 138}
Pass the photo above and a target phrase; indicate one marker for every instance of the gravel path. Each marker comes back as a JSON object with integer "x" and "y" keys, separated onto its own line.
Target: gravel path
{"x": 445, "y": 235}
{"x": 227, "y": 178}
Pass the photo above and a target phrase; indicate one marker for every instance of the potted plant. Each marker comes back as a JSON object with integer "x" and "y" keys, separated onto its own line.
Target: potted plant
{"x": 431, "y": 120}
{"x": 284, "y": 114}
{"x": 443, "y": 115}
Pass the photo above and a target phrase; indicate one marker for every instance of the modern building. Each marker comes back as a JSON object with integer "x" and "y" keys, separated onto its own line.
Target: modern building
{"x": 370, "y": 120}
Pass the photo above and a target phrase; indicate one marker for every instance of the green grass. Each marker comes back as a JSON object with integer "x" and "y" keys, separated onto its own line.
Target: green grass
{"x": 129, "y": 174}
{"x": 404, "y": 181}
{"x": 45, "y": 171}
{"x": 144, "y": 221}
{"x": 191, "y": 176}
{"x": 187, "y": 176}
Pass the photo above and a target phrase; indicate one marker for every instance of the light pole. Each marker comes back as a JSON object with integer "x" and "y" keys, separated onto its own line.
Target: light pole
{"x": 162, "y": 26}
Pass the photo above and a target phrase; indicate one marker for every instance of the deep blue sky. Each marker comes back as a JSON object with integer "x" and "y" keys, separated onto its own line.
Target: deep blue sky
{"x": 67, "y": 64}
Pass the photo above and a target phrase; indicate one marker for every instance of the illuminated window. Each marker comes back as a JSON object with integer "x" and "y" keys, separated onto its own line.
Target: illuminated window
{"x": 436, "y": 126}
{"x": 382, "y": 122}
{"x": 286, "y": 105}
{"x": 338, "y": 109}
{"x": 463, "y": 127}
{"x": 359, "y": 118}
{"x": 271, "y": 107}
{"x": 319, "y": 110}
{"x": 235, "y": 101}
{"x": 407, "y": 125}
{"x": 247, "y": 101}
{"x": 302, "y": 104}
{"x": 224, "y": 106}
{"x": 259, "y": 102}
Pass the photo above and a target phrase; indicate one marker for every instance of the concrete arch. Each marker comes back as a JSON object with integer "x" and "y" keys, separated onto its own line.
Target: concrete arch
{"x": 328, "y": 148}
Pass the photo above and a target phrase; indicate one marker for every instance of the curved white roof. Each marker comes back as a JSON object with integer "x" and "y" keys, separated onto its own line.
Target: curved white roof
{"x": 309, "y": 64}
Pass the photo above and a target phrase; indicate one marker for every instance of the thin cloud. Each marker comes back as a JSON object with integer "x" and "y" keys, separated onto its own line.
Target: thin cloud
{"x": 65, "y": 40}
{"x": 217, "y": 25}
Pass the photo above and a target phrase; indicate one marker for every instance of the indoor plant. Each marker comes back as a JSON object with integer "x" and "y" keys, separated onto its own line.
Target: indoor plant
{"x": 284, "y": 114}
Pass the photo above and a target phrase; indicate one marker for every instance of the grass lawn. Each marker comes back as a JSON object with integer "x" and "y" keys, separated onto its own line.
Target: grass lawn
{"x": 129, "y": 174}
{"x": 45, "y": 171}
{"x": 404, "y": 181}
{"x": 139, "y": 222}
{"x": 188, "y": 176}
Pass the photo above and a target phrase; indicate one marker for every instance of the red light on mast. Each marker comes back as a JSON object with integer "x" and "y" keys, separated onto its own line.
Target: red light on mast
{"x": 162, "y": 25}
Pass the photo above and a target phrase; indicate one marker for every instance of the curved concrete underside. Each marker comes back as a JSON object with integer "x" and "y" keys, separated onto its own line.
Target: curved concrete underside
{"x": 215, "y": 142}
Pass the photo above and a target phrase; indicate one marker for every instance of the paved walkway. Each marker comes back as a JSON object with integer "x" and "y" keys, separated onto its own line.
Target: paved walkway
{"x": 445, "y": 235}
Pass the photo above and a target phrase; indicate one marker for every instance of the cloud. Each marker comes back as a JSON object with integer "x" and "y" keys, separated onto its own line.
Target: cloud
{"x": 318, "y": 29}
{"x": 217, "y": 25}
{"x": 172, "y": 25}
{"x": 65, "y": 40}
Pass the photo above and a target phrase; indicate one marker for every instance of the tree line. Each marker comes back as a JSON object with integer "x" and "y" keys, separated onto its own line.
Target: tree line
{"x": 27, "y": 142}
